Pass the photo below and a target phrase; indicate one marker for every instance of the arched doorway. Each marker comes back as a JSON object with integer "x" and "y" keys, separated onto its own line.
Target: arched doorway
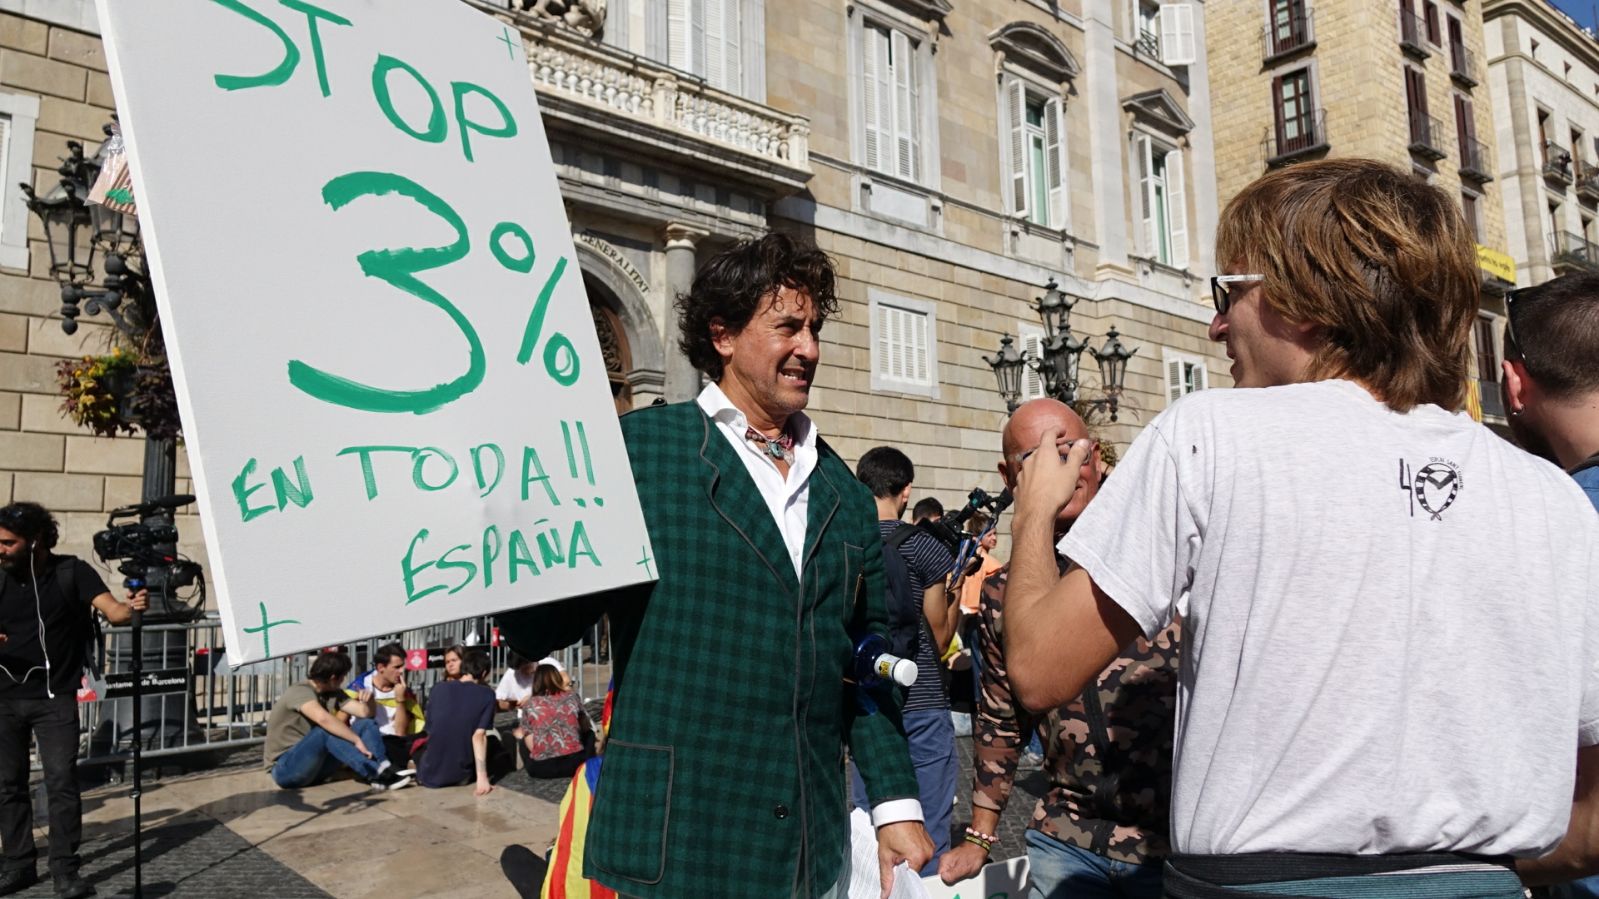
{"x": 613, "y": 346}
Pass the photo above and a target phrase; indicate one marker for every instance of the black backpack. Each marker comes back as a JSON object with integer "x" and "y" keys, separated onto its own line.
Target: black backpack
{"x": 904, "y": 606}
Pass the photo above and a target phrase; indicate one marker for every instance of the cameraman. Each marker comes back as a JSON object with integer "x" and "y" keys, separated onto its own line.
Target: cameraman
{"x": 46, "y": 623}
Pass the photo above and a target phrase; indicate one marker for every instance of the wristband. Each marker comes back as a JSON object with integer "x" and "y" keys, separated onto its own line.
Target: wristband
{"x": 986, "y": 846}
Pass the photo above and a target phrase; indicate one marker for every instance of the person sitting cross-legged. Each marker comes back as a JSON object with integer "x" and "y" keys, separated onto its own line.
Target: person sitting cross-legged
{"x": 309, "y": 738}
{"x": 460, "y": 716}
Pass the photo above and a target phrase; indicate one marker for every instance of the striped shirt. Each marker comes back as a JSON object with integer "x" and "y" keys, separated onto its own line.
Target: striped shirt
{"x": 928, "y": 562}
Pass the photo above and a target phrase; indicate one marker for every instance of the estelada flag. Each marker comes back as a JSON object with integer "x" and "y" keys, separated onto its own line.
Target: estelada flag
{"x": 564, "y": 878}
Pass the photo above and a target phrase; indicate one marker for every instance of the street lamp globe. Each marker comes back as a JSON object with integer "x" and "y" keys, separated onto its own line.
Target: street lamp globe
{"x": 1112, "y": 359}
{"x": 1007, "y": 365}
{"x": 1055, "y": 308}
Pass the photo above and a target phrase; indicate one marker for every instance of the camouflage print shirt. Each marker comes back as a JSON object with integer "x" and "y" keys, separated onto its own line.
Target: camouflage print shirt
{"x": 1107, "y": 752}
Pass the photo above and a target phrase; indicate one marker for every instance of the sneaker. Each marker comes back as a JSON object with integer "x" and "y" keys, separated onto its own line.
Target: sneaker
{"x": 17, "y": 880}
{"x": 71, "y": 886}
{"x": 390, "y": 779}
{"x": 1030, "y": 761}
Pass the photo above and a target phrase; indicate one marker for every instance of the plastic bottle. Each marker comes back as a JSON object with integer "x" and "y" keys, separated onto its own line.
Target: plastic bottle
{"x": 874, "y": 663}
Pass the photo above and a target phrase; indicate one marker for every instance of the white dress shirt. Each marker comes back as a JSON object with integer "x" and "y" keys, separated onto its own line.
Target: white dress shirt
{"x": 788, "y": 499}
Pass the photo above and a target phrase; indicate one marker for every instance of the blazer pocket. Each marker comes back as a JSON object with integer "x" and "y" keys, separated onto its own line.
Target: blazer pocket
{"x": 630, "y": 839}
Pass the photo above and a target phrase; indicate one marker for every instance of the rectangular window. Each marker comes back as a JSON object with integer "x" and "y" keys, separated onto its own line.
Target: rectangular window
{"x": 1165, "y": 205}
{"x": 1468, "y": 207}
{"x": 893, "y": 114}
{"x": 1036, "y": 161}
{"x": 1457, "y": 46}
{"x": 1289, "y": 25}
{"x": 1178, "y": 46}
{"x": 1429, "y": 16}
{"x": 1487, "y": 356}
{"x": 1295, "y": 118}
{"x": 1148, "y": 37}
{"x": 702, "y": 37}
{"x": 1416, "y": 104}
{"x": 1184, "y": 375}
{"x": 904, "y": 344}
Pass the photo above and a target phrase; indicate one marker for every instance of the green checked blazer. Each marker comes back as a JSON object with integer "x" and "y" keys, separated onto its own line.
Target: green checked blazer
{"x": 724, "y": 770}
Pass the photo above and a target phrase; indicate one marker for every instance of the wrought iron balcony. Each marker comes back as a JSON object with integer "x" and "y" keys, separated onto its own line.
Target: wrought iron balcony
{"x": 1574, "y": 252}
{"x": 1556, "y": 163}
{"x": 1474, "y": 162}
{"x": 1462, "y": 65}
{"x": 1282, "y": 38}
{"x": 1587, "y": 180}
{"x": 1148, "y": 43}
{"x": 1426, "y": 136}
{"x": 1412, "y": 34}
{"x": 1296, "y": 137}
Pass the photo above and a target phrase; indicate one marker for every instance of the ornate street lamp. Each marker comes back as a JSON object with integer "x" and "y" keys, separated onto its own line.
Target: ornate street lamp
{"x": 1007, "y": 365}
{"x": 1059, "y": 360}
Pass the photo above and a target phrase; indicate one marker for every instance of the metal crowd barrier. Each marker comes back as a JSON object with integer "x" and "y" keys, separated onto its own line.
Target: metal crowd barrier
{"x": 195, "y": 702}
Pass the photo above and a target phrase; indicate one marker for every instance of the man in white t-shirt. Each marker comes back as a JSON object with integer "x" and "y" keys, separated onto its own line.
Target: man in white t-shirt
{"x": 1389, "y": 654}
{"x": 381, "y": 694}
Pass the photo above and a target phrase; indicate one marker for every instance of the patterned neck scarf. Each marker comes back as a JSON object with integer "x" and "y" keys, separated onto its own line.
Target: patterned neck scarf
{"x": 779, "y": 447}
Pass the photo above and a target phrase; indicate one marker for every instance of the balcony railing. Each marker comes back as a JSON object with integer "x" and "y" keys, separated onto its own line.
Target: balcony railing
{"x": 1462, "y": 65}
{"x": 1298, "y": 136}
{"x": 1587, "y": 180}
{"x": 1474, "y": 162}
{"x": 1294, "y": 34}
{"x": 1556, "y": 162}
{"x": 666, "y": 106}
{"x": 1573, "y": 251}
{"x": 1426, "y": 136}
{"x": 1412, "y": 34}
{"x": 1493, "y": 403}
{"x": 1149, "y": 43}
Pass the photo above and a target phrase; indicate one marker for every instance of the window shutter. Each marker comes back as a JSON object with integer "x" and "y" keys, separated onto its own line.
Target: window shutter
{"x": 721, "y": 36}
{"x": 1055, "y": 160}
{"x": 875, "y": 63}
{"x": 1174, "y": 379}
{"x": 1177, "y": 213}
{"x": 677, "y": 35}
{"x": 918, "y": 346}
{"x": 1201, "y": 375}
{"x": 907, "y": 147}
{"x": 884, "y": 353}
{"x": 1032, "y": 383}
{"x": 1016, "y": 159}
{"x": 1146, "y": 186}
{"x": 1177, "y": 34}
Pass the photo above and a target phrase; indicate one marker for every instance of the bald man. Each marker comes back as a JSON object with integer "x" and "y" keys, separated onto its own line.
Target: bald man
{"x": 1101, "y": 828}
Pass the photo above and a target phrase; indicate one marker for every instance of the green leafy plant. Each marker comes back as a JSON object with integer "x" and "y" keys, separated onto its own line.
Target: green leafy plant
{"x": 94, "y": 391}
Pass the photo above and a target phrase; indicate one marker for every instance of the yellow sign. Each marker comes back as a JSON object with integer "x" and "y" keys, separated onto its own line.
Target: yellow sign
{"x": 1497, "y": 264}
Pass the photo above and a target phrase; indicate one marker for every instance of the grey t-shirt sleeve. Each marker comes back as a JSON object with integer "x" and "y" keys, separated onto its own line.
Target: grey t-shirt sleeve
{"x": 1138, "y": 539}
{"x": 1588, "y": 718}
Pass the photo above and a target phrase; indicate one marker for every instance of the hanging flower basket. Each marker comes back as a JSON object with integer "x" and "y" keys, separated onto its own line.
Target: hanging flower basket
{"x": 118, "y": 394}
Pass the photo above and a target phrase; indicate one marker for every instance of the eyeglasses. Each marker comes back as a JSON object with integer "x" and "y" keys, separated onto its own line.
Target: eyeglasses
{"x": 1512, "y": 345}
{"x": 1221, "y": 292}
{"x": 1064, "y": 449}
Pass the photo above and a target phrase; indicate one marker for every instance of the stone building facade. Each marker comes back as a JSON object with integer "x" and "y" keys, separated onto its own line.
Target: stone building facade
{"x": 1543, "y": 76}
{"x": 1402, "y": 81}
{"x": 953, "y": 156}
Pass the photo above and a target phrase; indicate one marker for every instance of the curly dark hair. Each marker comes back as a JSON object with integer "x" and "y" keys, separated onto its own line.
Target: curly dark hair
{"x": 32, "y": 522}
{"x": 731, "y": 286}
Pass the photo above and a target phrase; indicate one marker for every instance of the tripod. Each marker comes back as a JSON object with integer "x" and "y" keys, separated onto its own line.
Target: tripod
{"x": 137, "y": 621}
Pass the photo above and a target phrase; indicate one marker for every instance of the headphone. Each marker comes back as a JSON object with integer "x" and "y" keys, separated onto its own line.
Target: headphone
{"x": 44, "y": 644}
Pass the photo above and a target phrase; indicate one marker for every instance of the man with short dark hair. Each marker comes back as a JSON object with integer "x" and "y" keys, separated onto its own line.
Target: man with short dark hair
{"x": 47, "y": 607}
{"x": 927, "y": 508}
{"x": 309, "y": 735}
{"x": 381, "y": 694}
{"x": 460, "y": 716}
{"x": 888, "y": 473}
{"x": 730, "y": 713}
{"x": 1551, "y": 390}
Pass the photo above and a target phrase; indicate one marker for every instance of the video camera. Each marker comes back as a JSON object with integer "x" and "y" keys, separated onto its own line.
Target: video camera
{"x": 948, "y": 530}
{"x": 147, "y": 550}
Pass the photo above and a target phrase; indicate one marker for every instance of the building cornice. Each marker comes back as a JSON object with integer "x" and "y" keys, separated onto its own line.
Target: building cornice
{"x": 1555, "y": 25}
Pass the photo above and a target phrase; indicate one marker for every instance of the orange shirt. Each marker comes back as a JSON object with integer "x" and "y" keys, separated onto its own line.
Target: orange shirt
{"x": 972, "y": 589}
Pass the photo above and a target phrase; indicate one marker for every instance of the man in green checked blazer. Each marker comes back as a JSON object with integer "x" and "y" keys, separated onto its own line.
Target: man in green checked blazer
{"x": 724, "y": 774}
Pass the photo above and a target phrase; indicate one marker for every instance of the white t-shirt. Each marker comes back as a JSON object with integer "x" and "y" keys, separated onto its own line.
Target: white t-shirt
{"x": 1388, "y": 644}
{"x": 513, "y": 687}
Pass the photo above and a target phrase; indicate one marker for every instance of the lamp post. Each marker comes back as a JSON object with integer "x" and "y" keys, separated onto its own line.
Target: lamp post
{"x": 1059, "y": 359}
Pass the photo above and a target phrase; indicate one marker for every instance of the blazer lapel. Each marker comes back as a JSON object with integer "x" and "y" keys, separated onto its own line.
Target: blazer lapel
{"x": 824, "y": 502}
{"x": 733, "y": 494}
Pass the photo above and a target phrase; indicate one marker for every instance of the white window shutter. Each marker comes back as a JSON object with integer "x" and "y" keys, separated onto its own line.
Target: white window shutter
{"x": 1201, "y": 375}
{"x": 1016, "y": 159}
{"x": 907, "y": 147}
{"x": 1177, "y": 212}
{"x": 882, "y": 355}
{"x": 1177, "y": 34}
{"x": 874, "y": 58}
{"x": 1174, "y": 378}
{"x": 1055, "y": 160}
{"x": 723, "y": 62}
{"x": 5, "y": 156}
{"x": 1146, "y": 186}
{"x": 677, "y": 35}
{"x": 1032, "y": 382}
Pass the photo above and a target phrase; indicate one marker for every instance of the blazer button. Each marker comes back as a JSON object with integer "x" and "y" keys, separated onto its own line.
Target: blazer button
{"x": 781, "y": 812}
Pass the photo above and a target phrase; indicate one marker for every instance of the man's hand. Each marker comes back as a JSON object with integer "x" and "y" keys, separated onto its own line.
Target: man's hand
{"x": 139, "y": 600}
{"x": 399, "y": 690}
{"x": 363, "y": 696}
{"x": 961, "y": 862}
{"x": 902, "y": 841}
{"x": 1049, "y": 474}
{"x": 361, "y": 747}
{"x": 483, "y": 788}
{"x": 525, "y": 701}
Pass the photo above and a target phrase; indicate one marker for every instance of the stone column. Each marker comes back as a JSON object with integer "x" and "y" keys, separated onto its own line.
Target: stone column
{"x": 682, "y": 380}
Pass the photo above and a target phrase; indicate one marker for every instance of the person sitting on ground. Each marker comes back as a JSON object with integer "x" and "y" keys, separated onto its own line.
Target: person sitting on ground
{"x": 381, "y": 694}
{"x": 516, "y": 686}
{"x": 554, "y": 727}
{"x": 309, "y": 738}
{"x": 460, "y": 715}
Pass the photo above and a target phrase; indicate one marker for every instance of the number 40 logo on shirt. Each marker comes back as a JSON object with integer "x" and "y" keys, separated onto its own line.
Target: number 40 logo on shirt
{"x": 1433, "y": 487}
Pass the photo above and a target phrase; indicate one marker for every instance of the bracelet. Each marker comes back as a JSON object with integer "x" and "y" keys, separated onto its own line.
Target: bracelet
{"x": 978, "y": 841}
{"x": 985, "y": 837}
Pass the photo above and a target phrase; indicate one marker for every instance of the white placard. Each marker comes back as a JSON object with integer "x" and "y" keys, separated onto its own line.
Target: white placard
{"x": 393, "y": 400}
{"x": 1005, "y": 879}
